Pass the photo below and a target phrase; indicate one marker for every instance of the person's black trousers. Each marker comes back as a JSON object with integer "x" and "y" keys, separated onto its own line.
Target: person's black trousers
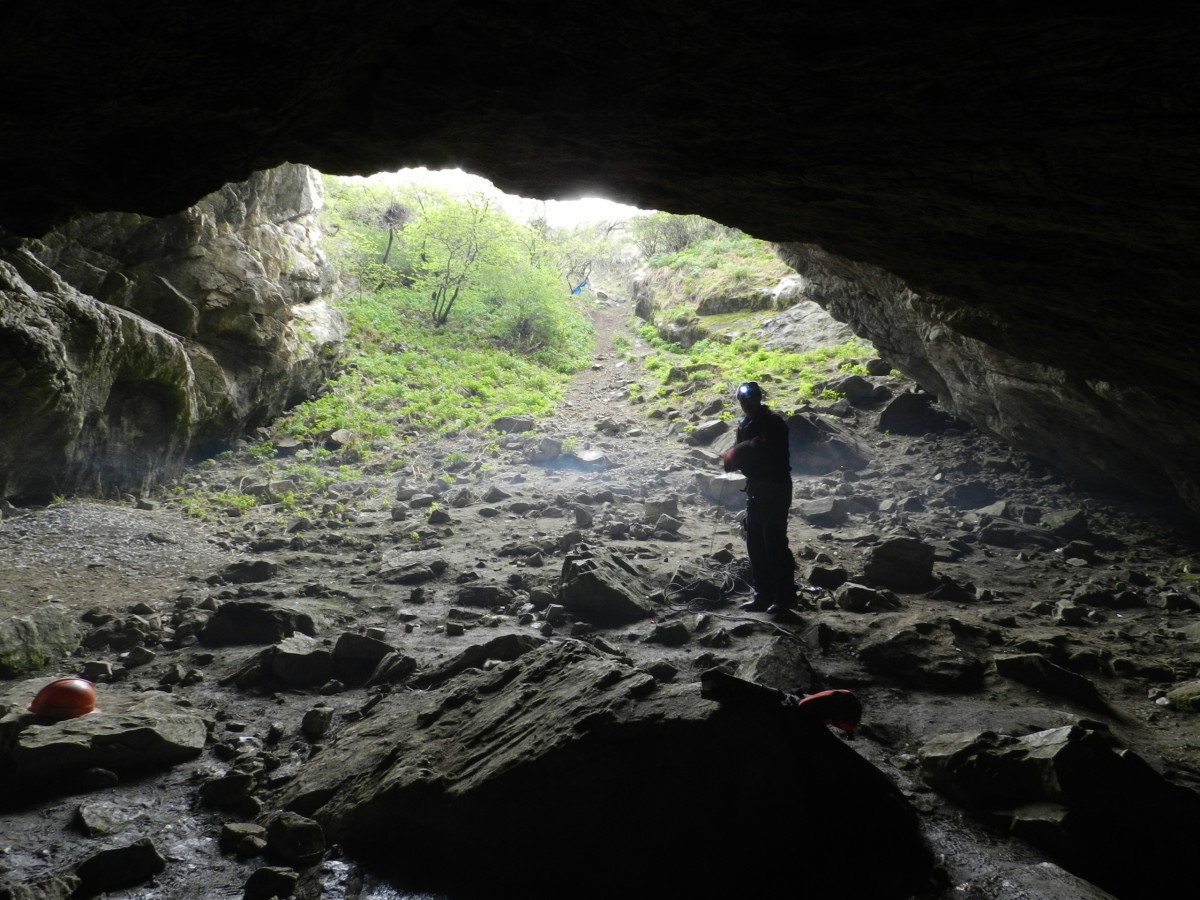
{"x": 771, "y": 562}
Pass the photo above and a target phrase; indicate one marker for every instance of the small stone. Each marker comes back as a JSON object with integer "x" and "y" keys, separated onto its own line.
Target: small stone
{"x": 662, "y": 670}
{"x": 97, "y": 670}
{"x": 295, "y": 840}
{"x": 250, "y": 847}
{"x": 96, "y": 779}
{"x": 316, "y": 721}
{"x": 120, "y": 867}
{"x": 271, "y": 881}
{"x": 232, "y": 834}
{"x": 137, "y": 656}
{"x": 670, "y": 634}
{"x": 225, "y": 791}
{"x": 98, "y": 819}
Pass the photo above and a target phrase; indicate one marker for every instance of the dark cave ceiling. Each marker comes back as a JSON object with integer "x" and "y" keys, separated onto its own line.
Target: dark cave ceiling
{"x": 1032, "y": 175}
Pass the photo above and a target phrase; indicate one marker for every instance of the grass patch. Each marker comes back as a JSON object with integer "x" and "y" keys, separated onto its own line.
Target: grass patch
{"x": 787, "y": 378}
{"x": 717, "y": 266}
{"x": 406, "y": 376}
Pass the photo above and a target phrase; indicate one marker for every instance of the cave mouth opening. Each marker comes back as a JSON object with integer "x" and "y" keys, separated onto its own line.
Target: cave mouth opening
{"x": 583, "y": 205}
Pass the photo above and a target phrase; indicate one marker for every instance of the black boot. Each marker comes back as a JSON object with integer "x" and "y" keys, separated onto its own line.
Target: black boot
{"x": 756, "y": 603}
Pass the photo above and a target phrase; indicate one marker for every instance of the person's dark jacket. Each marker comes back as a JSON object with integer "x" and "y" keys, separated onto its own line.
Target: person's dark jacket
{"x": 761, "y": 448}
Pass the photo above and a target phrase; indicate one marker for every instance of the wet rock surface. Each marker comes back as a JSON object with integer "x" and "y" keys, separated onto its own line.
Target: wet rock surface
{"x": 1047, "y": 608}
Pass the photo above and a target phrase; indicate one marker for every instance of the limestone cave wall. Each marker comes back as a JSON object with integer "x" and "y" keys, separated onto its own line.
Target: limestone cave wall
{"x": 128, "y": 342}
{"x": 1017, "y": 184}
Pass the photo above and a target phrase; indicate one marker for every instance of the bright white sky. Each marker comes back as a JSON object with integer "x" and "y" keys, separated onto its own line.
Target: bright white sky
{"x": 559, "y": 213}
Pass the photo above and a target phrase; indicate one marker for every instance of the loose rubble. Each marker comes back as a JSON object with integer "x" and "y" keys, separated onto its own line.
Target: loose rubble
{"x": 274, "y": 687}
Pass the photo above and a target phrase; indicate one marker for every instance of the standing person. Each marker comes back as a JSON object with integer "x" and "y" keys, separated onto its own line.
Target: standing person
{"x": 761, "y": 454}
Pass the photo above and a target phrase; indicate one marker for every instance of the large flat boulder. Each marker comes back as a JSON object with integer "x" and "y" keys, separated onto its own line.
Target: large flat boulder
{"x": 130, "y": 731}
{"x": 560, "y": 747}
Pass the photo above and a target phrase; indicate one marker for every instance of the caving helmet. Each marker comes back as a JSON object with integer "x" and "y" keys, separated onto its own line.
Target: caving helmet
{"x": 837, "y": 707}
{"x": 65, "y": 698}
{"x": 749, "y": 390}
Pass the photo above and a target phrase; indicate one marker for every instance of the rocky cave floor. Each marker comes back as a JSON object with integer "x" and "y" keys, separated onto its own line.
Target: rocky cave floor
{"x": 136, "y": 573}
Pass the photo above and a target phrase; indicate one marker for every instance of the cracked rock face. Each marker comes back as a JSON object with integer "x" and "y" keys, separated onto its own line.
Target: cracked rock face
{"x": 1018, "y": 194}
{"x": 128, "y": 342}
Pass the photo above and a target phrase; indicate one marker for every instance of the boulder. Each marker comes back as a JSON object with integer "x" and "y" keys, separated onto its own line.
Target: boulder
{"x": 1006, "y": 533}
{"x": 857, "y": 390}
{"x": 486, "y": 594}
{"x": 119, "y": 867}
{"x": 267, "y": 882}
{"x": 941, "y": 654}
{"x": 652, "y": 509}
{"x": 254, "y": 622}
{"x": 356, "y": 656}
{"x": 1185, "y": 696}
{"x": 707, "y": 432}
{"x": 854, "y": 597}
{"x": 28, "y": 642}
{"x": 970, "y": 495}
{"x": 412, "y": 566}
{"x": 601, "y": 587}
{"x": 818, "y": 445}
{"x": 295, "y": 840}
{"x": 593, "y": 459}
{"x": 105, "y": 817}
{"x": 1096, "y": 807}
{"x": 824, "y": 512}
{"x": 596, "y": 728}
{"x": 130, "y": 731}
{"x": 547, "y": 449}
{"x": 912, "y": 414}
{"x": 513, "y": 424}
{"x": 901, "y": 563}
{"x": 1039, "y": 673}
{"x": 725, "y": 490}
{"x": 1068, "y": 524}
{"x": 301, "y": 661}
{"x": 670, "y": 634}
{"x": 827, "y": 577}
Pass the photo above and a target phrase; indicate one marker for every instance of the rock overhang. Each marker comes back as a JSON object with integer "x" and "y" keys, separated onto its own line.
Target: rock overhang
{"x": 1029, "y": 182}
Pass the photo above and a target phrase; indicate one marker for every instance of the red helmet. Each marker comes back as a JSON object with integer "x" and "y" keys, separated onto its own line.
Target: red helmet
{"x": 838, "y": 707}
{"x": 65, "y": 698}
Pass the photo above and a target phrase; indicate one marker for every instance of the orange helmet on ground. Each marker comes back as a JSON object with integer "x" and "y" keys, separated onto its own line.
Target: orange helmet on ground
{"x": 65, "y": 698}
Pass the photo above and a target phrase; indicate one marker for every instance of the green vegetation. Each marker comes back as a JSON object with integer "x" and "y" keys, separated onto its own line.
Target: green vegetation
{"x": 457, "y": 315}
{"x": 722, "y": 267}
{"x": 405, "y": 374}
{"x": 468, "y": 318}
{"x": 693, "y": 259}
{"x": 788, "y": 378}
{"x": 665, "y": 233}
